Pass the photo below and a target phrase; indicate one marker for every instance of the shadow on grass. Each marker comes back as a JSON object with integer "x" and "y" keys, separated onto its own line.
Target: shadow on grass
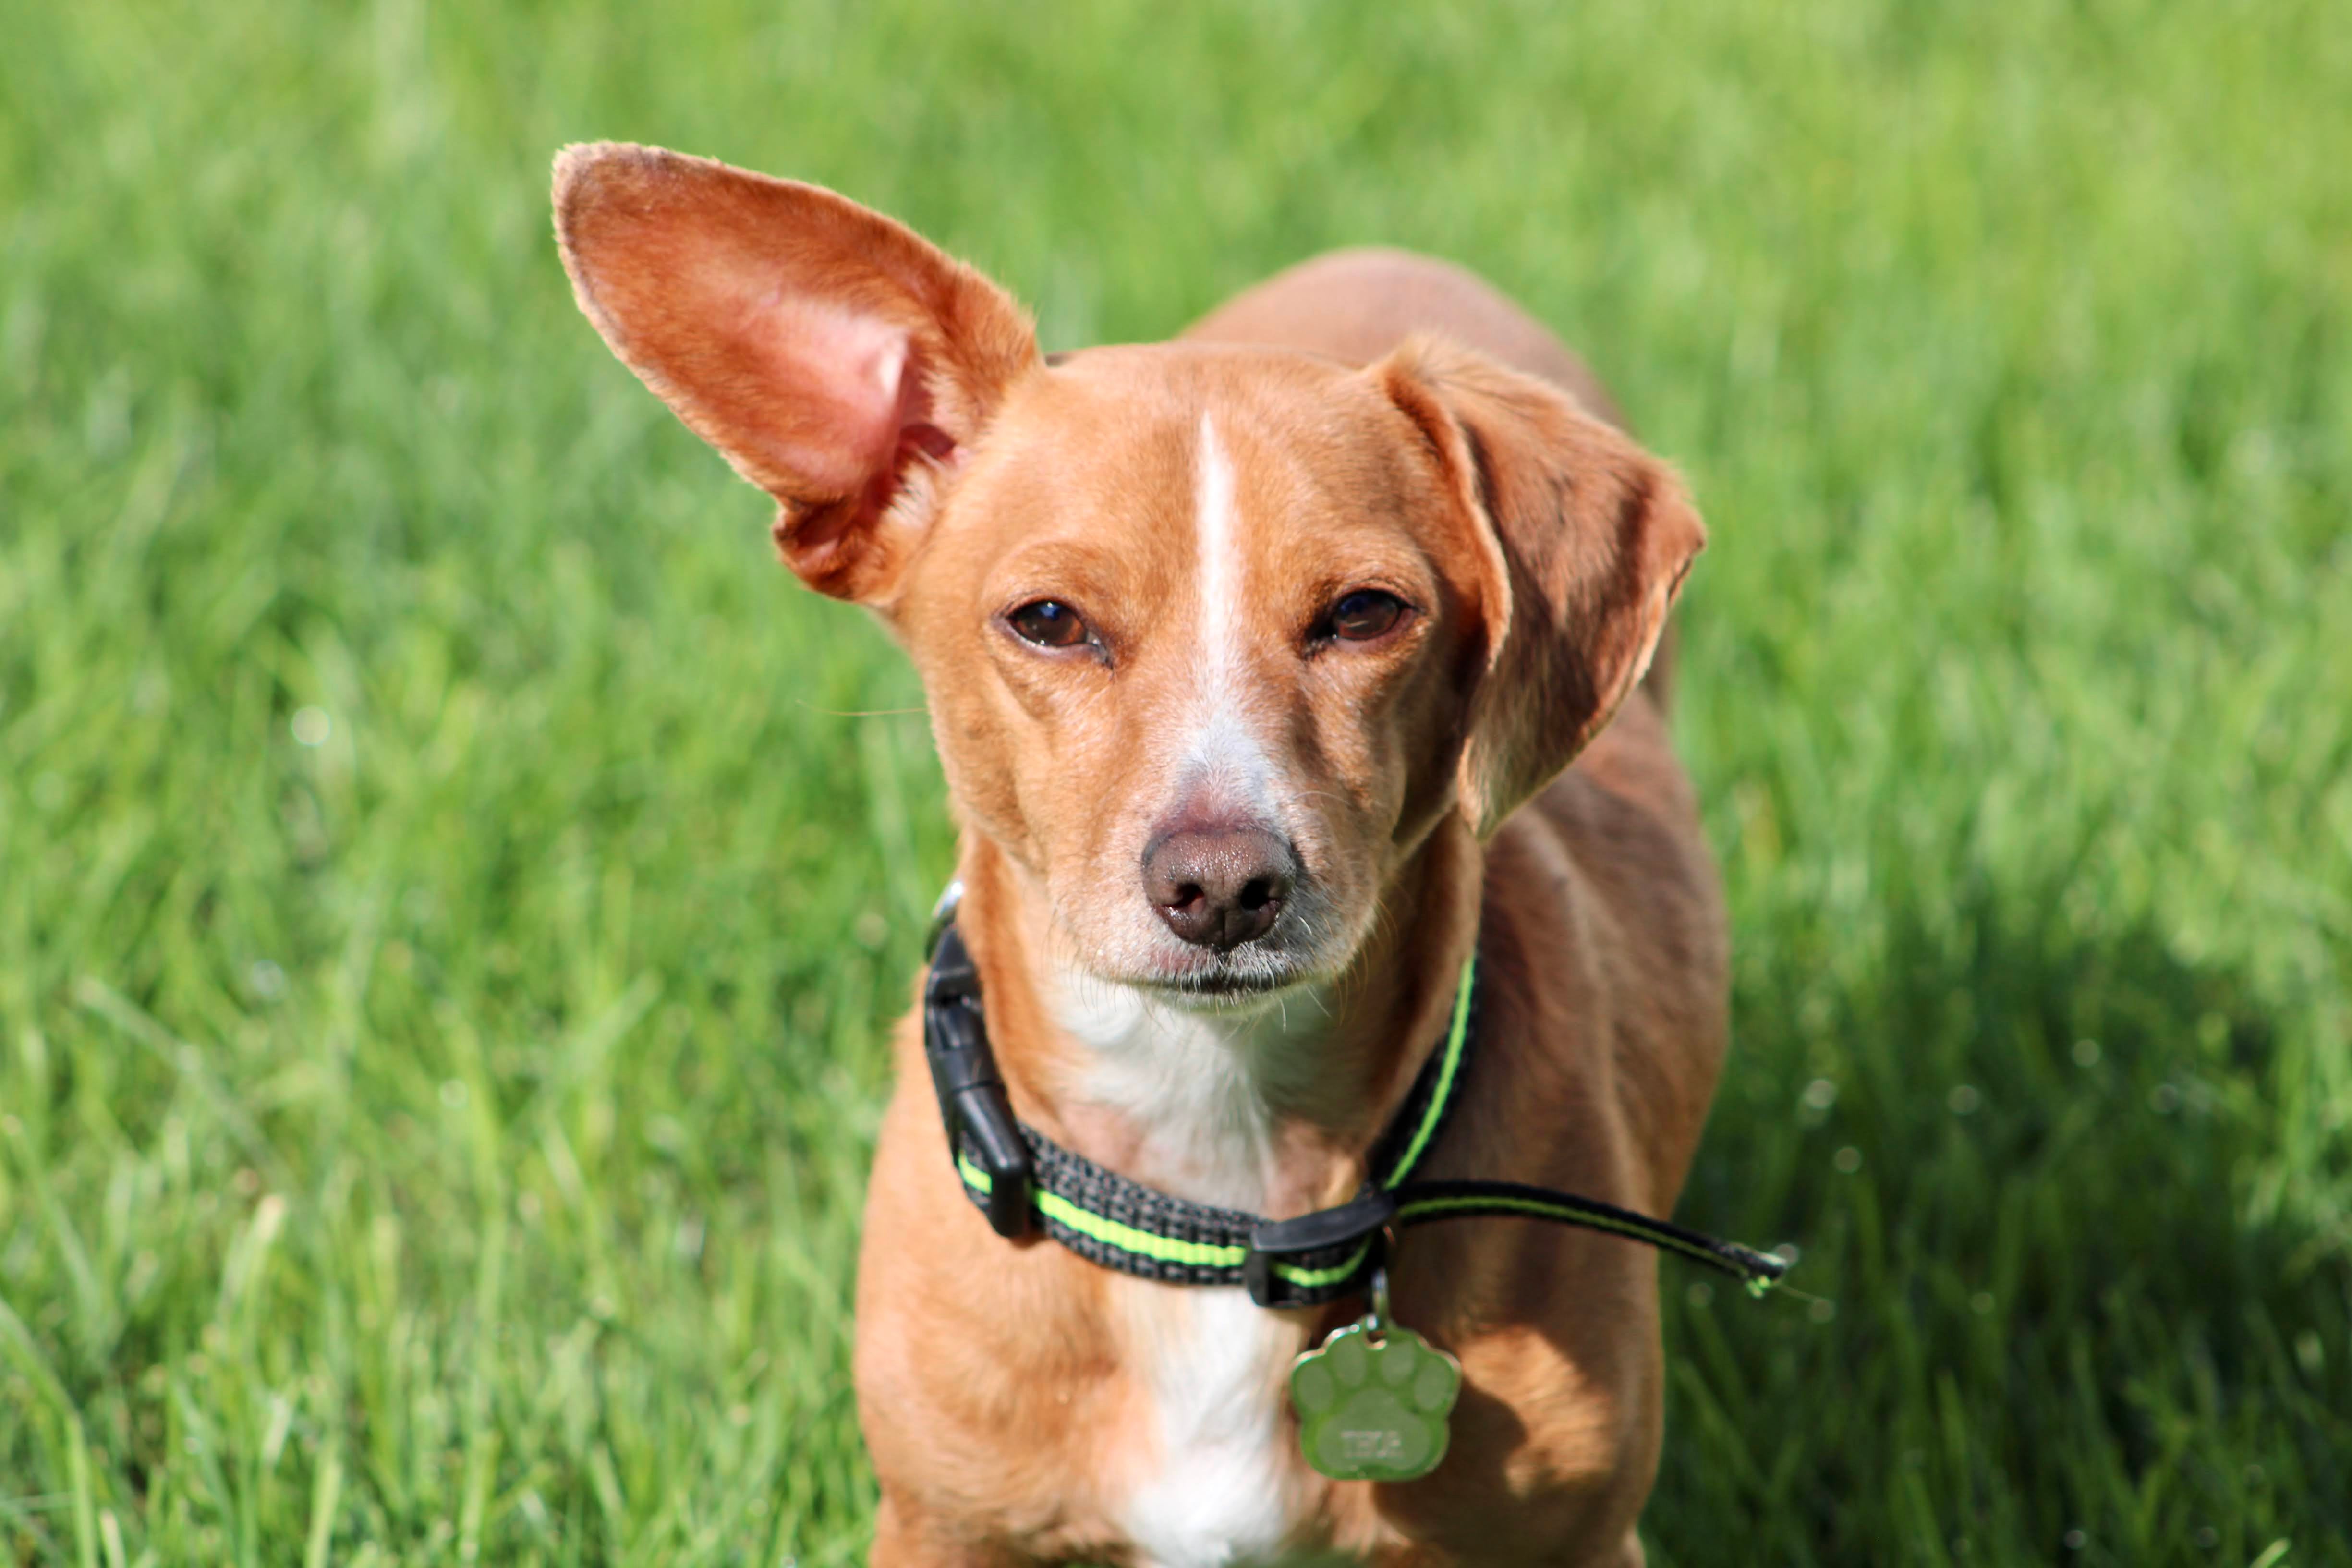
{"x": 2082, "y": 1297}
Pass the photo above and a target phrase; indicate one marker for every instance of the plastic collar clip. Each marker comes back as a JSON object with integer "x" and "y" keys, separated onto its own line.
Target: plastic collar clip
{"x": 973, "y": 1102}
{"x": 1360, "y": 1218}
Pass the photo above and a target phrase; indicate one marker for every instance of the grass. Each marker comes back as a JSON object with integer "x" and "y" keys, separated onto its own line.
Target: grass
{"x": 448, "y": 914}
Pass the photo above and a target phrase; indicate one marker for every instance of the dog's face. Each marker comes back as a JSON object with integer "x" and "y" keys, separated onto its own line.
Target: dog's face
{"x": 1198, "y": 625}
{"x": 1213, "y": 637}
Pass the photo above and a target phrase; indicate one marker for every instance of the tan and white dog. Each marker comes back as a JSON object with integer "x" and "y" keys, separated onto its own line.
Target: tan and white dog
{"x": 1254, "y": 660}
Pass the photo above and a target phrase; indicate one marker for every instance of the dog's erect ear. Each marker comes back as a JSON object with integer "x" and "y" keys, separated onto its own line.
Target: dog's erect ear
{"x": 836, "y": 359}
{"x": 1582, "y": 540}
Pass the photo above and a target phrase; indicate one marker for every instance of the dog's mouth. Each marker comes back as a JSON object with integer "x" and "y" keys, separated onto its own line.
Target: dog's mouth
{"x": 1245, "y": 973}
{"x": 1225, "y": 983}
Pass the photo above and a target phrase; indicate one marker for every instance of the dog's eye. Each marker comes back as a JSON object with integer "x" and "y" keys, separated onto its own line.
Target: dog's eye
{"x": 1048, "y": 623}
{"x": 1366, "y": 614}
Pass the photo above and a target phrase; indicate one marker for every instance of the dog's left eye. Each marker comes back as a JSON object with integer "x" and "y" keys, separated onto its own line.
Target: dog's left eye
{"x": 1048, "y": 623}
{"x": 1366, "y": 614}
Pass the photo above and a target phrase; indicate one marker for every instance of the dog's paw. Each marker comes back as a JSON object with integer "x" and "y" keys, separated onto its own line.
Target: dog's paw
{"x": 1374, "y": 1411}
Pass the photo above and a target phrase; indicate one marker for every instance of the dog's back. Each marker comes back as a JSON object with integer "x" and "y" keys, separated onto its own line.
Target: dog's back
{"x": 1357, "y": 305}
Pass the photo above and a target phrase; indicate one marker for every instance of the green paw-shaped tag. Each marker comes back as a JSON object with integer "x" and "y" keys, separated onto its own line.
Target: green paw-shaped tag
{"x": 1372, "y": 1408}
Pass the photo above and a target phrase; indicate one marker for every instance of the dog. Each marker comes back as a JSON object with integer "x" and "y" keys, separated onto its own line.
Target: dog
{"x": 1274, "y": 669}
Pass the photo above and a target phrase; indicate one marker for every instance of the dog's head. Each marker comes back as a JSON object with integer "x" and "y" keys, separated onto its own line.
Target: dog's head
{"x": 1213, "y": 637}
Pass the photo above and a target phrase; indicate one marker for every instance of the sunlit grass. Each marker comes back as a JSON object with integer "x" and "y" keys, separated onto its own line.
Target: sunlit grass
{"x": 447, "y": 924}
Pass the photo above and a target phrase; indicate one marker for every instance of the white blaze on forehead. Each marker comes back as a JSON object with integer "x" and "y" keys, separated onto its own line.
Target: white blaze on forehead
{"x": 1221, "y": 750}
{"x": 1214, "y": 534}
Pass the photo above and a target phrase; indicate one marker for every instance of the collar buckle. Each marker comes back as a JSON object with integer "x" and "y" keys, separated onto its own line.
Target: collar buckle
{"x": 973, "y": 1106}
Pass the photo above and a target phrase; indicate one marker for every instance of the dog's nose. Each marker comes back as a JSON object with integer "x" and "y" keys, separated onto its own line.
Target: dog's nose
{"x": 1219, "y": 887}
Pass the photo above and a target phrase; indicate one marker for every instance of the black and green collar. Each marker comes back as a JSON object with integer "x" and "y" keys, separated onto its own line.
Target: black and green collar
{"x": 1025, "y": 1182}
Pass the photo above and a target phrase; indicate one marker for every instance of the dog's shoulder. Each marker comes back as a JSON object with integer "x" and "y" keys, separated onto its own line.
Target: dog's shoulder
{"x": 1605, "y": 913}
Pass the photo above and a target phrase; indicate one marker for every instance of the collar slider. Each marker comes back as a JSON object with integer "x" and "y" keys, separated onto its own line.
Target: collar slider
{"x": 1359, "y": 1219}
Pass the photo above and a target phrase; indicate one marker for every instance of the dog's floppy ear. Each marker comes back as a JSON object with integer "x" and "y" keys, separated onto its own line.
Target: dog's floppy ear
{"x": 1581, "y": 541}
{"x": 838, "y": 360}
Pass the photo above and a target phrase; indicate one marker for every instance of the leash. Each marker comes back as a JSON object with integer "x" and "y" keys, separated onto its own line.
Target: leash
{"x": 1025, "y": 1182}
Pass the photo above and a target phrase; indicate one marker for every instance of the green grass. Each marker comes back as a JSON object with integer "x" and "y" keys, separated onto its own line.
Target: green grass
{"x": 444, "y": 1141}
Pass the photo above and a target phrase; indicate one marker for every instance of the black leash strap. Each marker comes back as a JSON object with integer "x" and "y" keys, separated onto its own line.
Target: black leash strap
{"x": 1022, "y": 1180}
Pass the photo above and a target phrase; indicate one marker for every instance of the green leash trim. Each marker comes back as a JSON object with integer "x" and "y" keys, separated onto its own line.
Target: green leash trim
{"x": 1494, "y": 1200}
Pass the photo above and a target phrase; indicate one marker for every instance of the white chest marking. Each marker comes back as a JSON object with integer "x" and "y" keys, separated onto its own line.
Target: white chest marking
{"x": 1200, "y": 1089}
{"x": 1219, "y": 1492}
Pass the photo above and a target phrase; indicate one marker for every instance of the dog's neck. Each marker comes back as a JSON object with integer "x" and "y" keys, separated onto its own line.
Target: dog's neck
{"x": 1269, "y": 1107}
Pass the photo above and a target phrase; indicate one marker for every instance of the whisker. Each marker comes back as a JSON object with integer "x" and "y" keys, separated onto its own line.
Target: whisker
{"x": 858, "y": 712}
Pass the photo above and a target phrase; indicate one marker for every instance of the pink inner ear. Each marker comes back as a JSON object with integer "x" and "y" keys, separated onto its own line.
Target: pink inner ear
{"x": 839, "y": 381}
{"x": 855, "y": 410}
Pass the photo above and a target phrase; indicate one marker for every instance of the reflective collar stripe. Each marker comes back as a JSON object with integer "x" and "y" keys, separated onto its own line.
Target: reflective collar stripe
{"x": 1112, "y": 1233}
{"x": 1448, "y": 1066}
{"x": 1168, "y": 1250}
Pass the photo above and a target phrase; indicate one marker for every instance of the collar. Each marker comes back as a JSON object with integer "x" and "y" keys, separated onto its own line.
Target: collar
{"x": 1027, "y": 1184}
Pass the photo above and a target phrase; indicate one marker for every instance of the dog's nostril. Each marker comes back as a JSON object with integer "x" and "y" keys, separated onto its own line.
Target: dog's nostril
{"x": 1257, "y": 894}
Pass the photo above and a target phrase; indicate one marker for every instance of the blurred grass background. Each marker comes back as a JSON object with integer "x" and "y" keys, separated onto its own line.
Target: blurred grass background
{"x": 447, "y": 924}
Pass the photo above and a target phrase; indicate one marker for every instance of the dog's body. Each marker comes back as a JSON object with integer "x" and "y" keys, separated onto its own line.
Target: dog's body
{"x": 1241, "y": 652}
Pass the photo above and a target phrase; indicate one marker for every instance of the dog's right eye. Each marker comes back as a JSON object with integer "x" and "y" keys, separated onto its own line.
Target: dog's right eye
{"x": 1048, "y": 623}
